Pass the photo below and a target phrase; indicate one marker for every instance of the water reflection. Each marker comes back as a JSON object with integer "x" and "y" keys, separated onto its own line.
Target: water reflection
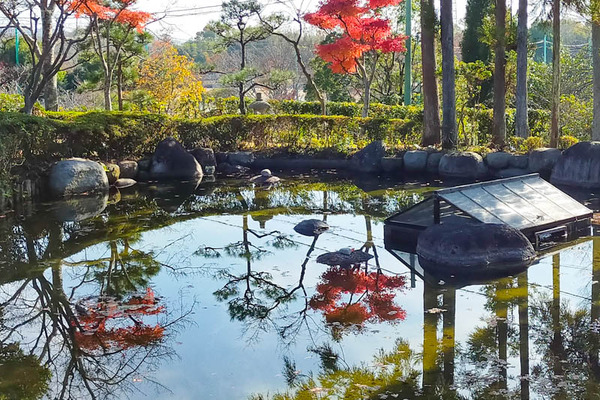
{"x": 91, "y": 306}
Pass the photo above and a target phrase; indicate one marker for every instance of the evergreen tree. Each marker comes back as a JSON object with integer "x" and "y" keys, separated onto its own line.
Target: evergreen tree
{"x": 472, "y": 47}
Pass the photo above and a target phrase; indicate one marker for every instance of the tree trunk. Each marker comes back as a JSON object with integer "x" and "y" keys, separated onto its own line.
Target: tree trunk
{"x": 51, "y": 89}
{"x": 107, "y": 98}
{"x": 521, "y": 120}
{"x": 29, "y": 103}
{"x": 120, "y": 86}
{"x": 449, "y": 134}
{"x": 555, "y": 73}
{"x": 241, "y": 91}
{"x": 366, "y": 97}
{"x": 431, "y": 104}
{"x": 499, "y": 127}
{"x": 309, "y": 77}
{"x": 596, "y": 64}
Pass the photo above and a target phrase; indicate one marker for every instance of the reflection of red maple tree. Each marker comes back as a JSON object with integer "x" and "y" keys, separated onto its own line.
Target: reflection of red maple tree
{"x": 353, "y": 297}
{"x": 103, "y": 324}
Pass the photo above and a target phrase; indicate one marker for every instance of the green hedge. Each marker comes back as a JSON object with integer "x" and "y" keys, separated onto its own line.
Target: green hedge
{"x": 114, "y": 135}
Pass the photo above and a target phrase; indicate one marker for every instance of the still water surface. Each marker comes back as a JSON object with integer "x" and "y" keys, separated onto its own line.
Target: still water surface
{"x": 210, "y": 294}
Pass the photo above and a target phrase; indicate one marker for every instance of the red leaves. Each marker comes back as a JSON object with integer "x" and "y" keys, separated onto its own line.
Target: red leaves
{"x": 119, "y": 13}
{"x": 103, "y": 325}
{"x": 363, "y": 30}
{"x": 370, "y": 297}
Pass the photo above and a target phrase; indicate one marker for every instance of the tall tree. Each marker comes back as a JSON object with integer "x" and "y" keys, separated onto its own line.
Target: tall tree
{"x": 521, "y": 120}
{"x": 365, "y": 35}
{"x": 431, "y": 104}
{"x": 234, "y": 30}
{"x": 49, "y": 45}
{"x": 499, "y": 124}
{"x": 113, "y": 25}
{"x": 449, "y": 133}
{"x": 554, "y": 127}
{"x": 273, "y": 23}
{"x": 471, "y": 45}
{"x": 595, "y": 14}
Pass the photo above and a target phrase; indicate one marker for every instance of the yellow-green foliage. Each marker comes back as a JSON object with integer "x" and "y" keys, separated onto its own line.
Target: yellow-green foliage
{"x": 521, "y": 145}
{"x": 564, "y": 142}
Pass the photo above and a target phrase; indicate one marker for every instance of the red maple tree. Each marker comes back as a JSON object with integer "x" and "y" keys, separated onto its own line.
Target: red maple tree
{"x": 363, "y": 34}
{"x": 352, "y": 297}
{"x": 105, "y": 325}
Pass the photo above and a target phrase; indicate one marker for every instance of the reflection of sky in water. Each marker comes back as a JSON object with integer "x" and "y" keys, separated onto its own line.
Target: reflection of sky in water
{"x": 218, "y": 359}
{"x": 222, "y": 358}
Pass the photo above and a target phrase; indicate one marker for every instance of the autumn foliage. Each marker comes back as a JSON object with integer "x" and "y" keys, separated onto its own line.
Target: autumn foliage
{"x": 107, "y": 324}
{"x": 169, "y": 78}
{"x": 352, "y": 297}
{"x": 117, "y": 11}
{"x": 360, "y": 28}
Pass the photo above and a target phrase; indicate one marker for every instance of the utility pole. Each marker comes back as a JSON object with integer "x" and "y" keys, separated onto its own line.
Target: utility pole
{"x": 408, "y": 56}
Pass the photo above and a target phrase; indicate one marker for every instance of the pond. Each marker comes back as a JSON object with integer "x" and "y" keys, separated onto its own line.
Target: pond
{"x": 185, "y": 292}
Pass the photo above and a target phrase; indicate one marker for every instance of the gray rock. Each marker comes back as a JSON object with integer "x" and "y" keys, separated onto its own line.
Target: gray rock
{"x": 260, "y": 107}
{"x": 433, "y": 162}
{"x": 124, "y": 182}
{"x": 579, "y": 166}
{"x": 391, "y": 164}
{"x": 511, "y": 172}
{"x": 463, "y": 165}
{"x": 415, "y": 160}
{"x": 344, "y": 257}
{"x": 77, "y": 176}
{"x": 210, "y": 170}
{"x": 518, "y": 161}
{"x": 265, "y": 178}
{"x": 243, "y": 158}
{"x": 498, "y": 160}
{"x": 172, "y": 161}
{"x": 311, "y": 227}
{"x": 228, "y": 169}
{"x": 477, "y": 248}
{"x": 205, "y": 157}
{"x": 543, "y": 160}
{"x": 369, "y": 158}
{"x": 80, "y": 208}
{"x": 129, "y": 169}
{"x": 221, "y": 157}
{"x": 144, "y": 164}
{"x": 113, "y": 172}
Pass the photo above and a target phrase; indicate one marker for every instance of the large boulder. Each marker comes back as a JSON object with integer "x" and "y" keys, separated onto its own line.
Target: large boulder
{"x": 391, "y": 164}
{"x": 129, "y": 169}
{"x": 369, "y": 158}
{"x": 205, "y": 157}
{"x": 113, "y": 172}
{"x": 433, "y": 162}
{"x": 511, "y": 172}
{"x": 518, "y": 161}
{"x": 464, "y": 249}
{"x": 579, "y": 166}
{"x": 172, "y": 161}
{"x": 415, "y": 160}
{"x": 77, "y": 176}
{"x": 498, "y": 160}
{"x": 243, "y": 158}
{"x": 462, "y": 165}
{"x": 543, "y": 160}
